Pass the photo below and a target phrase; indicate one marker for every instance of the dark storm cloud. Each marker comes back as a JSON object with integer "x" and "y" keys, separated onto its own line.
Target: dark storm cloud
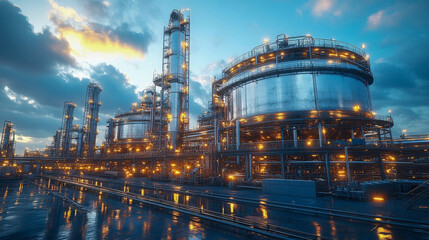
{"x": 125, "y": 35}
{"x": 199, "y": 98}
{"x": 21, "y": 47}
{"x": 96, "y": 8}
{"x": 117, "y": 12}
{"x": 402, "y": 78}
{"x": 117, "y": 91}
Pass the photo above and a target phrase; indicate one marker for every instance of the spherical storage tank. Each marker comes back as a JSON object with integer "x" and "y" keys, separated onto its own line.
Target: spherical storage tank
{"x": 297, "y": 75}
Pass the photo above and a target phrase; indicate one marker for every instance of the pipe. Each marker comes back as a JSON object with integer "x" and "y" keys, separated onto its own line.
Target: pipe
{"x": 346, "y": 153}
{"x": 237, "y": 134}
{"x": 295, "y": 137}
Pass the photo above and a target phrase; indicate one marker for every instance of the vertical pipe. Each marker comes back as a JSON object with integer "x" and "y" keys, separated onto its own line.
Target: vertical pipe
{"x": 295, "y": 137}
{"x": 237, "y": 134}
{"x": 282, "y": 136}
{"x": 346, "y": 153}
{"x": 320, "y": 134}
{"x": 381, "y": 167}
{"x": 353, "y": 133}
{"x": 250, "y": 166}
{"x": 328, "y": 169}
{"x": 177, "y": 76}
{"x": 283, "y": 166}
{"x": 246, "y": 167}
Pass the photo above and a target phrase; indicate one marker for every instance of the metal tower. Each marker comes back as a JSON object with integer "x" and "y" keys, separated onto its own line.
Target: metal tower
{"x": 7, "y": 140}
{"x": 90, "y": 117}
{"x": 66, "y": 128}
{"x": 174, "y": 81}
{"x": 57, "y": 144}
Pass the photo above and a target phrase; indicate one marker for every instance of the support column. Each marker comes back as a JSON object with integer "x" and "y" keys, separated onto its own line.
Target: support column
{"x": 282, "y": 136}
{"x": 346, "y": 153}
{"x": 328, "y": 169}
{"x": 250, "y": 166}
{"x": 295, "y": 137}
{"x": 246, "y": 168}
{"x": 381, "y": 166}
{"x": 283, "y": 166}
{"x": 320, "y": 135}
{"x": 353, "y": 134}
{"x": 237, "y": 134}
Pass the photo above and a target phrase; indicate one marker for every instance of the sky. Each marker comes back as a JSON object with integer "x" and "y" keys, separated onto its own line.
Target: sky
{"x": 51, "y": 49}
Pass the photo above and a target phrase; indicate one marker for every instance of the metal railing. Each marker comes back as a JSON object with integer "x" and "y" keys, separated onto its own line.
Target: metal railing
{"x": 297, "y": 42}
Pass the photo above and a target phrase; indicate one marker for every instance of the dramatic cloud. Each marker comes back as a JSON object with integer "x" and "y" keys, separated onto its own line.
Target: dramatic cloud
{"x": 88, "y": 38}
{"x": 396, "y": 13}
{"x": 200, "y": 89}
{"x": 22, "y": 48}
{"x": 38, "y": 74}
{"x": 402, "y": 78}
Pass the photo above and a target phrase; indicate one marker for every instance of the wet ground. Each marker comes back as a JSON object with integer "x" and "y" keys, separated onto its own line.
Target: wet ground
{"x": 27, "y": 212}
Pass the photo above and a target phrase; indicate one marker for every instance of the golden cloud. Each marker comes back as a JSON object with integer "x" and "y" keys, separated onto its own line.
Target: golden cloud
{"x": 85, "y": 41}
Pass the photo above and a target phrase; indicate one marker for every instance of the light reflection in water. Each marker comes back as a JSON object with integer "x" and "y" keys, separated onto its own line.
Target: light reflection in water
{"x": 264, "y": 212}
{"x": 104, "y": 231}
{"x": 176, "y": 197}
{"x": 384, "y": 233}
{"x": 333, "y": 229}
{"x": 231, "y": 207}
{"x": 142, "y": 192}
{"x": 318, "y": 228}
{"x": 5, "y": 193}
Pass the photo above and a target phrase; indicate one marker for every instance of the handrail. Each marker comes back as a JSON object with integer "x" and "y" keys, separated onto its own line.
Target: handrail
{"x": 297, "y": 42}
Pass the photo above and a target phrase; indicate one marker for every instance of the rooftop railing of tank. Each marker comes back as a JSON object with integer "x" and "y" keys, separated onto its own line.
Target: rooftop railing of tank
{"x": 295, "y": 42}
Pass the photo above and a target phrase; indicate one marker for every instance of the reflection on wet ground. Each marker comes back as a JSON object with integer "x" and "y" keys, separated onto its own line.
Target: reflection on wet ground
{"x": 27, "y": 212}
{"x": 319, "y": 225}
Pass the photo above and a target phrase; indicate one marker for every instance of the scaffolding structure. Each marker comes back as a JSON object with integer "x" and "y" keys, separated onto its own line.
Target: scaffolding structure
{"x": 90, "y": 119}
{"x": 7, "y": 143}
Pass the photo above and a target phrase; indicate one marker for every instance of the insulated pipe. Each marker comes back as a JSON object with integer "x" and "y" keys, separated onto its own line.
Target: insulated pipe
{"x": 320, "y": 135}
{"x": 177, "y": 70}
{"x": 237, "y": 134}
{"x": 295, "y": 137}
{"x": 328, "y": 169}
{"x": 346, "y": 153}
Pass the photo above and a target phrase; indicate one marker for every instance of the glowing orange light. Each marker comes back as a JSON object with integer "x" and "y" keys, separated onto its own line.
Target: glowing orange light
{"x": 379, "y": 199}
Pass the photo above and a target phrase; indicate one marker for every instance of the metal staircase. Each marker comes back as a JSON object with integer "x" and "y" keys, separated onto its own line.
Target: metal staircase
{"x": 417, "y": 195}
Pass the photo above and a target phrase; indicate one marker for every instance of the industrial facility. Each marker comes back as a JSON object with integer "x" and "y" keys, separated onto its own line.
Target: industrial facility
{"x": 295, "y": 108}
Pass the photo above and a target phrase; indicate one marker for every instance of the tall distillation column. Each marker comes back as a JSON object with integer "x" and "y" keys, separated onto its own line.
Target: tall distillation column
{"x": 66, "y": 129}
{"x": 90, "y": 120}
{"x": 175, "y": 76}
{"x": 7, "y": 140}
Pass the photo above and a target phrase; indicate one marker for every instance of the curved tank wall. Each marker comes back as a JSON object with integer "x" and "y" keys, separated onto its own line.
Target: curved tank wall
{"x": 296, "y": 75}
{"x": 132, "y": 126}
{"x": 294, "y": 93}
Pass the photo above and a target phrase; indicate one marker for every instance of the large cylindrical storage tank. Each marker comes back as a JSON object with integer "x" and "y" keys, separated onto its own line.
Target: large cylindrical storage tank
{"x": 132, "y": 126}
{"x": 289, "y": 103}
{"x": 297, "y": 76}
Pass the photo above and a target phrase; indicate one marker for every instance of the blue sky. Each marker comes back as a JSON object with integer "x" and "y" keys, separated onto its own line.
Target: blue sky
{"x": 52, "y": 49}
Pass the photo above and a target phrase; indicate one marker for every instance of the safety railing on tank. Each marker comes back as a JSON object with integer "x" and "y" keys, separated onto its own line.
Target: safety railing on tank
{"x": 296, "y": 42}
{"x": 307, "y": 143}
{"x": 301, "y": 65}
